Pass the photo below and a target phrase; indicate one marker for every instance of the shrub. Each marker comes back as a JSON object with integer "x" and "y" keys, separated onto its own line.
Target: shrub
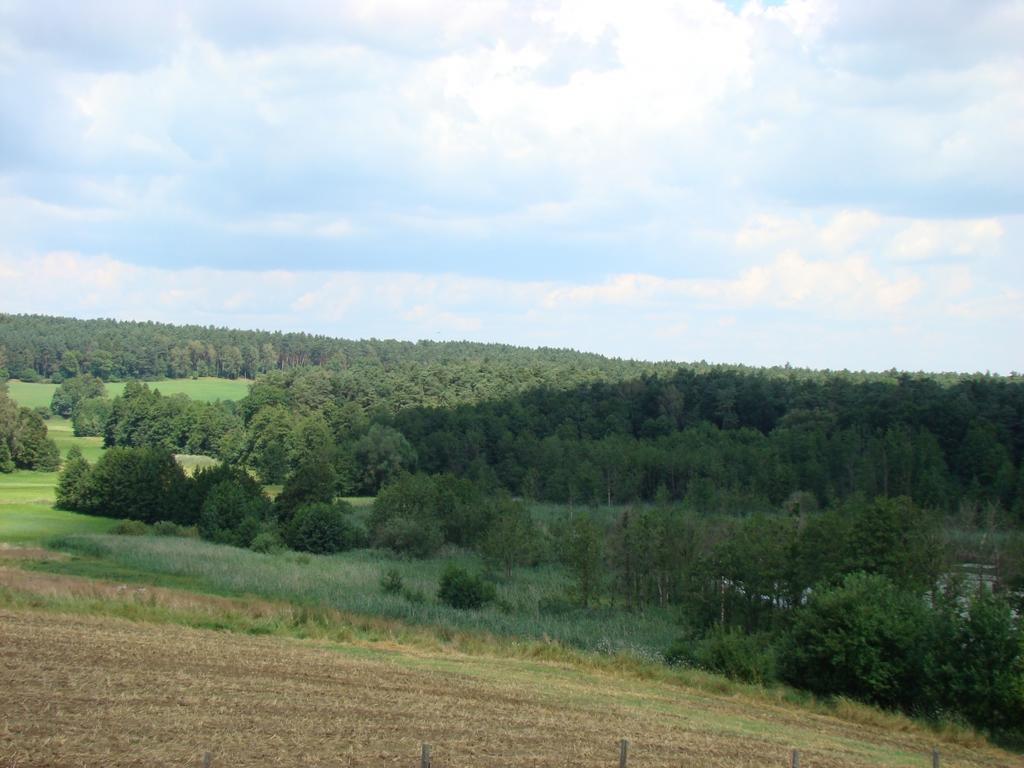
{"x": 864, "y": 639}
{"x": 91, "y": 415}
{"x": 73, "y": 484}
{"x": 749, "y": 658}
{"x": 231, "y": 514}
{"x": 167, "y": 528}
{"x": 267, "y": 543}
{"x": 130, "y": 528}
{"x": 391, "y": 582}
{"x": 138, "y": 483}
{"x": 461, "y": 589}
{"x": 323, "y": 528}
{"x": 410, "y": 536}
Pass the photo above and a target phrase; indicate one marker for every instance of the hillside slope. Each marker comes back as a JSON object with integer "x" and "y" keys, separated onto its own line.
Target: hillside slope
{"x": 88, "y": 689}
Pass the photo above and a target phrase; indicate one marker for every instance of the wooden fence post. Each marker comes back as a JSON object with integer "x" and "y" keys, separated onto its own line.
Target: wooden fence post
{"x": 425, "y": 756}
{"x": 207, "y": 759}
{"x": 935, "y": 758}
{"x": 794, "y": 759}
{"x": 623, "y": 753}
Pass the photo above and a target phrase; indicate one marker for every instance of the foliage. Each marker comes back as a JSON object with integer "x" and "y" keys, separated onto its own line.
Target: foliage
{"x": 511, "y": 537}
{"x": 323, "y": 528}
{"x": 313, "y": 482}
{"x": 404, "y": 516}
{"x": 167, "y": 528}
{"x": 72, "y": 392}
{"x": 584, "y": 552}
{"x": 91, "y": 415}
{"x": 6, "y": 460}
{"x": 383, "y": 453}
{"x": 391, "y": 582}
{"x": 864, "y": 639}
{"x": 143, "y": 484}
{"x": 232, "y": 514}
{"x": 463, "y": 590}
{"x": 24, "y": 435}
{"x": 130, "y": 528}
{"x": 73, "y": 484}
{"x": 977, "y": 659}
{"x": 267, "y": 542}
{"x": 738, "y": 655}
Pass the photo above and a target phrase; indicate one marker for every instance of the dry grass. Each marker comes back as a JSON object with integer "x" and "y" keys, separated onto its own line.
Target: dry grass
{"x": 94, "y": 690}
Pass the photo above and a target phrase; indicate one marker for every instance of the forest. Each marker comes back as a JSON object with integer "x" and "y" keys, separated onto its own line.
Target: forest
{"x": 855, "y": 534}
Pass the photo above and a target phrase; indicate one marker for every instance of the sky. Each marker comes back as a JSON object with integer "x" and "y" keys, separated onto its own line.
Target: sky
{"x": 826, "y": 183}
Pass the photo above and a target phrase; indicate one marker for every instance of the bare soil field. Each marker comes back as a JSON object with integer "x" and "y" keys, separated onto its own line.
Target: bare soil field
{"x": 91, "y": 690}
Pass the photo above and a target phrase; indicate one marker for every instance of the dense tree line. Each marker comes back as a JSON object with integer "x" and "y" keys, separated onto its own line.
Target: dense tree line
{"x": 374, "y": 373}
{"x": 740, "y": 436}
{"x": 939, "y": 444}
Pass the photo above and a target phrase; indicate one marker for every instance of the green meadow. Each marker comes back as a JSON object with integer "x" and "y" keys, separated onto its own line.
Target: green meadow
{"x": 27, "y": 514}
{"x": 205, "y": 389}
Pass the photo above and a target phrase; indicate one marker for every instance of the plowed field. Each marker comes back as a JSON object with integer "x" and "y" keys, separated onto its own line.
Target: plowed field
{"x": 97, "y": 691}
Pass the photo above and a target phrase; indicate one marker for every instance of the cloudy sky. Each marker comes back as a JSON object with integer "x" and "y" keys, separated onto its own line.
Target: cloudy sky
{"x": 830, "y": 183}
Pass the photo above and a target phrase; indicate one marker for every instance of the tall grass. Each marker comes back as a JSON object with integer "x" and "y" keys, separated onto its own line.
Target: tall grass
{"x": 532, "y": 605}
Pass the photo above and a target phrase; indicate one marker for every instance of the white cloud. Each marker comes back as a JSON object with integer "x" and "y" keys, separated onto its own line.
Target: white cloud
{"x": 516, "y": 169}
{"x": 921, "y": 240}
{"x": 296, "y": 225}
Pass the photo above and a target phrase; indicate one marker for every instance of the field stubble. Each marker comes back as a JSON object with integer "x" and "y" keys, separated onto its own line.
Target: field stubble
{"x": 86, "y": 689}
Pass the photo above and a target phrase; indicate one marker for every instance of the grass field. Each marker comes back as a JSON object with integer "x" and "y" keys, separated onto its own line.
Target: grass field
{"x": 207, "y": 389}
{"x": 26, "y": 498}
{"x": 27, "y": 514}
{"x": 100, "y": 674}
{"x": 533, "y": 604}
{"x": 63, "y": 435}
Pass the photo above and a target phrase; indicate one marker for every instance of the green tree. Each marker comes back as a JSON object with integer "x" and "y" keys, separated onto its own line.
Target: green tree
{"x": 6, "y": 460}
{"x": 73, "y": 391}
{"x": 73, "y": 483}
{"x": 382, "y": 454}
{"x": 323, "y": 528}
{"x": 313, "y": 481}
{"x": 32, "y": 449}
{"x": 864, "y": 639}
{"x": 510, "y": 539}
{"x": 405, "y": 516}
{"x": 463, "y": 590}
{"x": 144, "y": 484}
{"x": 232, "y": 514}
{"x": 91, "y": 416}
{"x": 584, "y": 553}
{"x": 981, "y": 664}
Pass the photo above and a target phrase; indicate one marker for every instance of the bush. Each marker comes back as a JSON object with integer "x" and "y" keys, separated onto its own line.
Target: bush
{"x": 167, "y": 528}
{"x": 267, "y": 543}
{"x": 130, "y": 528}
{"x": 865, "y": 639}
{"x": 323, "y": 528}
{"x": 463, "y": 590}
{"x": 749, "y": 658}
{"x": 138, "y": 483}
{"x": 410, "y": 536}
{"x": 391, "y": 582}
{"x": 231, "y": 514}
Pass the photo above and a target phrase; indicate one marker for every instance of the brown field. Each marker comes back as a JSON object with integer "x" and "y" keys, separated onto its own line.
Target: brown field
{"x": 84, "y": 690}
